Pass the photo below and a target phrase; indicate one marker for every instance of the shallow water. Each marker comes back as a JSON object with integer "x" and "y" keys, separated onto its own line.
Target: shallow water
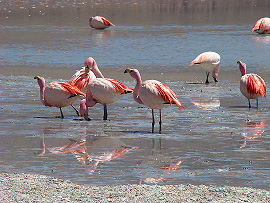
{"x": 220, "y": 140}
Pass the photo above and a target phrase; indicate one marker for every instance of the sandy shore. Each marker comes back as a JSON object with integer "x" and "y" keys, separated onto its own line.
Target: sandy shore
{"x": 40, "y": 188}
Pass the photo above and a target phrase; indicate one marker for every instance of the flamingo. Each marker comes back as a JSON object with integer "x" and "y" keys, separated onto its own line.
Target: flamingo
{"x": 58, "y": 94}
{"x": 99, "y": 22}
{"x": 153, "y": 94}
{"x": 252, "y": 86}
{"x": 208, "y": 61}
{"x": 104, "y": 91}
{"x": 89, "y": 72}
{"x": 262, "y": 26}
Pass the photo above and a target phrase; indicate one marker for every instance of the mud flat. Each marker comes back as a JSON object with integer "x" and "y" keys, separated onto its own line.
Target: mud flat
{"x": 35, "y": 188}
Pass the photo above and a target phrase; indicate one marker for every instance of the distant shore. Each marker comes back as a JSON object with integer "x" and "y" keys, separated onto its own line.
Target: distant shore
{"x": 35, "y": 188}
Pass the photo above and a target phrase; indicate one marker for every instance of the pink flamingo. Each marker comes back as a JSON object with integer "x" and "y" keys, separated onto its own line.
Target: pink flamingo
{"x": 89, "y": 72}
{"x": 58, "y": 94}
{"x": 153, "y": 94}
{"x": 262, "y": 26}
{"x": 252, "y": 85}
{"x": 99, "y": 22}
{"x": 104, "y": 91}
{"x": 208, "y": 61}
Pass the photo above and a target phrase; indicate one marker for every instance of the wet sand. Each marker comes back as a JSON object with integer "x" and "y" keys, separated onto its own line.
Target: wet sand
{"x": 34, "y": 188}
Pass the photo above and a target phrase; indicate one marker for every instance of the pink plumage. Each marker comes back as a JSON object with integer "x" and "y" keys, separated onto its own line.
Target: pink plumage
{"x": 58, "y": 94}
{"x": 252, "y": 86}
{"x": 262, "y": 26}
{"x": 99, "y": 22}
{"x": 153, "y": 94}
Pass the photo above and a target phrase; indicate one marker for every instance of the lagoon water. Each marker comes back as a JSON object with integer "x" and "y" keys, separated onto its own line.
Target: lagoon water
{"x": 220, "y": 140}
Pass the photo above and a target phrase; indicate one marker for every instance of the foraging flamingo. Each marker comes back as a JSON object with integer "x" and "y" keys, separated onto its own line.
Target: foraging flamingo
{"x": 89, "y": 72}
{"x": 262, "y": 26}
{"x": 58, "y": 94}
{"x": 104, "y": 91}
{"x": 153, "y": 94}
{"x": 208, "y": 61}
{"x": 252, "y": 86}
{"x": 99, "y": 22}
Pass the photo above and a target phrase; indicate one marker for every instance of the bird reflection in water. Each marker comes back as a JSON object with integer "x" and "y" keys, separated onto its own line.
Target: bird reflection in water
{"x": 207, "y": 104}
{"x": 253, "y": 131}
{"x": 156, "y": 168}
{"x": 91, "y": 151}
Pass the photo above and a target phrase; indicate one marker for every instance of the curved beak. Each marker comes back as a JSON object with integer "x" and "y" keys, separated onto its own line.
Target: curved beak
{"x": 128, "y": 70}
{"x": 87, "y": 69}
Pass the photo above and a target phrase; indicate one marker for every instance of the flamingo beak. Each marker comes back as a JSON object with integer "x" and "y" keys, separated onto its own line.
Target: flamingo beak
{"x": 239, "y": 62}
{"x": 87, "y": 69}
{"x": 128, "y": 70}
{"x": 86, "y": 118}
{"x": 36, "y": 77}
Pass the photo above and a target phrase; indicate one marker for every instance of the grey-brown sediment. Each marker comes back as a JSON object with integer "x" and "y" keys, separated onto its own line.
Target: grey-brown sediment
{"x": 33, "y": 188}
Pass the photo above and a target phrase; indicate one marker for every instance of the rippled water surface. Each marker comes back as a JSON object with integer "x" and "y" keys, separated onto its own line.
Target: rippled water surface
{"x": 215, "y": 140}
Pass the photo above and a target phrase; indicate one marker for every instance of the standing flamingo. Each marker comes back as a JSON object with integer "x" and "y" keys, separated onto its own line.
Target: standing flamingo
{"x": 208, "y": 61}
{"x": 89, "y": 72}
{"x": 58, "y": 94}
{"x": 262, "y": 26}
{"x": 104, "y": 91}
{"x": 153, "y": 94}
{"x": 252, "y": 85}
{"x": 99, "y": 22}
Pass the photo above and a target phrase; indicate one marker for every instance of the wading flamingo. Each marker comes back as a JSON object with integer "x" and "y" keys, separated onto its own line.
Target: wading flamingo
{"x": 252, "y": 85}
{"x": 58, "y": 94}
{"x": 89, "y": 72}
{"x": 99, "y": 22}
{"x": 262, "y": 26}
{"x": 153, "y": 94}
{"x": 208, "y": 61}
{"x": 104, "y": 91}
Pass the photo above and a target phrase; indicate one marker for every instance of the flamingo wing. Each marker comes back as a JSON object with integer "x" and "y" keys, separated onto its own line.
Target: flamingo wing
{"x": 199, "y": 59}
{"x": 258, "y": 25}
{"x": 73, "y": 90}
{"x": 120, "y": 87}
{"x": 107, "y": 22}
{"x": 81, "y": 79}
{"x": 167, "y": 94}
{"x": 255, "y": 85}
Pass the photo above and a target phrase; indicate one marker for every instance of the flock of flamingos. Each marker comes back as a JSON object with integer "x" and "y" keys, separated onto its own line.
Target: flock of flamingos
{"x": 90, "y": 85}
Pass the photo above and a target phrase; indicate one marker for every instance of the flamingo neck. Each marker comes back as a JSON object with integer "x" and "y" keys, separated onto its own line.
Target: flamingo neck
{"x": 136, "y": 95}
{"x": 41, "y": 84}
{"x": 242, "y": 69}
{"x": 215, "y": 71}
{"x": 96, "y": 71}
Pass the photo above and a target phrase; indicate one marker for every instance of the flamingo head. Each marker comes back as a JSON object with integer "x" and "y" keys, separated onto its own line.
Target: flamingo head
{"x": 90, "y": 62}
{"x": 133, "y": 73}
{"x": 90, "y": 21}
{"x": 40, "y": 80}
{"x": 242, "y": 67}
{"x": 84, "y": 110}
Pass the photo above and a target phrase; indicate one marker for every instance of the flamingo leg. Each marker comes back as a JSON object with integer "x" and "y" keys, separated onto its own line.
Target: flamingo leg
{"x": 249, "y": 105}
{"x": 62, "y": 116}
{"x": 207, "y": 76}
{"x": 160, "y": 121}
{"x": 105, "y": 116}
{"x": 215, "y": 79}
{"x": 257, "y": 103}
{"x": 153, "y": 123}
{"x": 77, "y": 112}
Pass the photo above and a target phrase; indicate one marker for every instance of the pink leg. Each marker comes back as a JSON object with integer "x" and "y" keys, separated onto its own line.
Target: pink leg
{"x": 160, "y": 121}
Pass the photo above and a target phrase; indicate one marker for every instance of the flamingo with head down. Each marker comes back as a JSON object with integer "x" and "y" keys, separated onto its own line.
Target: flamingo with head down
{"x": 252, "y": 86}
{"x": 153, "y": 94}
{"x": 58, "y": 94}
{"x": 262, "y": 26}
{"x": 89, "y": 72}
{"x": 208, "y": 61}
{"x": 99, "y": 22}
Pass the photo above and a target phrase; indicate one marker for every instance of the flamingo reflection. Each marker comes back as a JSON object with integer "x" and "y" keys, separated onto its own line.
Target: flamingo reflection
{"x": 91, "y": 151}
{"x": 160, "y": 167}
{"x": 207, "y": 104}
{"x": 254, "y": 130}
